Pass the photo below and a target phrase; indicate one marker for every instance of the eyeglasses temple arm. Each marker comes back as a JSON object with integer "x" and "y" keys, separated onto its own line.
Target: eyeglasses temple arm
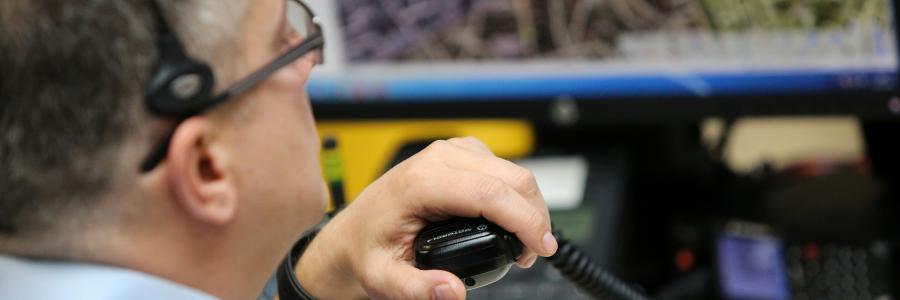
{"x": 310, "y": 44}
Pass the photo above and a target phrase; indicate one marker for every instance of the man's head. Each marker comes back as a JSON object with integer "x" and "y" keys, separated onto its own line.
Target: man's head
{"x": 241, "y": 178}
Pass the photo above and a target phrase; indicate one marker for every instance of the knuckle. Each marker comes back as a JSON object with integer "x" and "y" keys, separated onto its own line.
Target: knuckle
{"x": 475, "y": 141}
{"x": 457, "y": 140}
{"x": 478, "y": 143}
{"x": 525, "y": 180}
{"x": 472, "y": 140}
{"x": 440, "y": 144}
{"x": 436, "y": 147}
{"x": 489, "y": 189}
{"x": 525, "y": 177}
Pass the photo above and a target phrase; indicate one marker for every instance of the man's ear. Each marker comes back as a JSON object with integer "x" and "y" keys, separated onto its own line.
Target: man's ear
{"x": 197, "y": 173}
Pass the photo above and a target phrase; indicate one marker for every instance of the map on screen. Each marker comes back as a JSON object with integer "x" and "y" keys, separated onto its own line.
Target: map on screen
{"x": 422, "y": 50}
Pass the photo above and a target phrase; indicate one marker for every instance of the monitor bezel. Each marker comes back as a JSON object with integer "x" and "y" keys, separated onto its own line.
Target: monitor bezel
{"x": 866, "y": 104}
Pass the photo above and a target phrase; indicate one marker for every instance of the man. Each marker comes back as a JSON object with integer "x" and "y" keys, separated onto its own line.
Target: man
{"x": 234, "y": 184}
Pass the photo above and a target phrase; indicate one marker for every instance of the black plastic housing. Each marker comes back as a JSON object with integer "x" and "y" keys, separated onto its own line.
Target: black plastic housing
{"x": 476, "y": 250}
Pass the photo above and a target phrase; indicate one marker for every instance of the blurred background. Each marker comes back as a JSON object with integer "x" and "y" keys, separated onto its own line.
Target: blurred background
{"x": 699, "y": 149}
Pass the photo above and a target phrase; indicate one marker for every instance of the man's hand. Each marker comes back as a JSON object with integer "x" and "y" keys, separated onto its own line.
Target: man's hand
{"x": 366, "y": 251}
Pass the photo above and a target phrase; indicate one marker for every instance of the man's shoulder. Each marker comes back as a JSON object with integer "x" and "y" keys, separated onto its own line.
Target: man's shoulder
{"x": 34, "y": 279}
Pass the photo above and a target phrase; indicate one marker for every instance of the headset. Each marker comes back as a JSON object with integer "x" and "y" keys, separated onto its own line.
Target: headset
{"x": 181, "y": 85}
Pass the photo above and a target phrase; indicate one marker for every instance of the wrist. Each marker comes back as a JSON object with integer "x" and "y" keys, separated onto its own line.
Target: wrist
{"x": 325, "y": 269}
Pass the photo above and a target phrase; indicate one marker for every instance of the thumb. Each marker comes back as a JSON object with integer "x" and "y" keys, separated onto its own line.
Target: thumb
{"x": 402, "y": 281}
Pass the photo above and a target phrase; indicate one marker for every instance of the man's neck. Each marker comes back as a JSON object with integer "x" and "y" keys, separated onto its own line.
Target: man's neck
{"x": 201, "y": 264}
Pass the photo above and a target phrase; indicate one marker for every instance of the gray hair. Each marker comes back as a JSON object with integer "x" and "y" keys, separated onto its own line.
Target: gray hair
{"x": 72, "y": 77}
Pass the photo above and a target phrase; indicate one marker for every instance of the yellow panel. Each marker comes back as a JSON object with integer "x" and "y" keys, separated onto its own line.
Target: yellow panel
{"x": 368, "y": 146}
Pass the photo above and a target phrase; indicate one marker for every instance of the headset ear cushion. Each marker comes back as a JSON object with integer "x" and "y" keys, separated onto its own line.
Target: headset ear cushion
{"x": 180, "y": 88}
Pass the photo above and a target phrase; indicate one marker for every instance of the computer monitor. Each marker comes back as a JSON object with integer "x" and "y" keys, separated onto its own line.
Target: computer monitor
{"x": 605, "y": 60}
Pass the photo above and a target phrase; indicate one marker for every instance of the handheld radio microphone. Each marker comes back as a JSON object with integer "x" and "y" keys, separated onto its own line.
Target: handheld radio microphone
{"x": 480, "y": 253}
{"x": 475, "y": 250}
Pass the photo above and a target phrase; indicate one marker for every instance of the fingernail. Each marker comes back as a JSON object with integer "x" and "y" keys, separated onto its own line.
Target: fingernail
{"x": 549, "y": 244}
{"x": 444, "y": 292}
{"x": 530, "y": 262}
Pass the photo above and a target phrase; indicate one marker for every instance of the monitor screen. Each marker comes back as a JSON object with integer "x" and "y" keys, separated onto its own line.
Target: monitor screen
{"x": 420, "y": 51}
